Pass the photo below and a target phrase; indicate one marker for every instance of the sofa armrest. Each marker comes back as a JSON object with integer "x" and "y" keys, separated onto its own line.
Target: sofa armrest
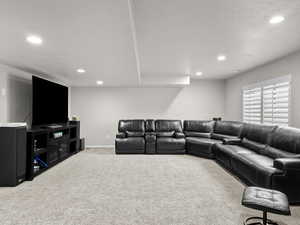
{"x": 150, "y": 137}
{"x": 121, "y": 135}
{"x": 179, "y": 135}
{"x": 232, "y": 141}
{"x": 287, "y": 164}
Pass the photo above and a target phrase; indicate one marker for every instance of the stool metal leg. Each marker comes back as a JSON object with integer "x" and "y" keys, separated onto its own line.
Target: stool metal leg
{"x": 260, "y": 220}
{"x": 265, "y": 218}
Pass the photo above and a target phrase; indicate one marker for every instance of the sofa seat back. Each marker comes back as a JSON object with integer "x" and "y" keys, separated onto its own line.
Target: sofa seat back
{"x": 256, "y": 136}
{"x": 227, "y": 129}
{"x": 132, "y": 128}
{"x": 284, "y": 143}
{"x": 168, "y": 126}
{"x": 198, "y": 128}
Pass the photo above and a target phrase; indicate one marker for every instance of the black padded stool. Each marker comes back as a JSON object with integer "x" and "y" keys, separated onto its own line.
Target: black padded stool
{"x": 265, "y": 200}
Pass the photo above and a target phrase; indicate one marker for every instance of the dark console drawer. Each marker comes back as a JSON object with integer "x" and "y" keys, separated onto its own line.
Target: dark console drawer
{"x": 63, "y": 150}
{"x": 52, "y": 156}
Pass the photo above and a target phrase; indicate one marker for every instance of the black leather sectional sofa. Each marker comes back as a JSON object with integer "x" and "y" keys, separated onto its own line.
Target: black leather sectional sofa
{"x": 260, "y": 155}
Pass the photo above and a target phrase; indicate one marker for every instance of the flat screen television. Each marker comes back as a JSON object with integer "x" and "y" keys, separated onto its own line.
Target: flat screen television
{"x": 49, "y": 102}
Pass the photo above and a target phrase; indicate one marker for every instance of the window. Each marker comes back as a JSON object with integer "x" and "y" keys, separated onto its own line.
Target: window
{"x": 252, "y": 105}
{"x": 267, "y": 102}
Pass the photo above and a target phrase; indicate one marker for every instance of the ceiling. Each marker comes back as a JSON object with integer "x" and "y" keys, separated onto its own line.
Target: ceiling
{"x": 145, "y": 42}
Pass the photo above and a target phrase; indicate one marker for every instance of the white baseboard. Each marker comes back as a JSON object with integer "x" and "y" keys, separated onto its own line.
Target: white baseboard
{"x": 100, "y": 146}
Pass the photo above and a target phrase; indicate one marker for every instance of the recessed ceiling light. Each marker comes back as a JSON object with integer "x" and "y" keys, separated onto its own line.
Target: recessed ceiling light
{"x": 199, "y": 74}
{"x": 99, "y": 82}
{"x": 80, "y": 70}
{"x": 276, "y": 19}
{"x": 221, "y": 57}
{"x": 33, "y": 39}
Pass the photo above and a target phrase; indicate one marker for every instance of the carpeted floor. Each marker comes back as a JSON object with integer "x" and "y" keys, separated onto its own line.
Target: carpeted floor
{"x": 97, "y": 187}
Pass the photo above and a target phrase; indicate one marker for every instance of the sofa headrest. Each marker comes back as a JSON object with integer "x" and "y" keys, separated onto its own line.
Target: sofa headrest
{"x": 232, "y": 128}
{"x": 286, "y": 139}
{"x": 168, "y": 125}
{"x": 150, "y": 125}
{"x": 257, "y": 132}
{"x": 132, "y": 125}
{"x": 202, "y": 126}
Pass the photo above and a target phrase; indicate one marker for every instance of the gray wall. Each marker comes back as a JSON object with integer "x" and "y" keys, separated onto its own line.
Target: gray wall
{"x": 15, "y": 98}
{"x": 3, "y": 98}
{"x": 289, "y": 65}
{"x": 100, "y": 109}
{"x": 19, "y": 97}
{"x": 16, "y": 95}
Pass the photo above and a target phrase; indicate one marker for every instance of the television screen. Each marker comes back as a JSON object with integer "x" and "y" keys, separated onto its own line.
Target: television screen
{"x": 49, "y": 102}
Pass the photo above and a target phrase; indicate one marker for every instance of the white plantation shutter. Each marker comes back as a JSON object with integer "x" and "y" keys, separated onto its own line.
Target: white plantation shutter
{"x": 276, "y": 104}
{"x": 267, "y": 102}
{"x": 252, "y": 105}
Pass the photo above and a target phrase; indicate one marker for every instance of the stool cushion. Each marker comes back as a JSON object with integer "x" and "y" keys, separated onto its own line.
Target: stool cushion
{"x": 266, "y": 200}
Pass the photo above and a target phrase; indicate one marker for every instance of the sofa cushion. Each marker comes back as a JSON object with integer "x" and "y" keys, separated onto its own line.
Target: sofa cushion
{"x": 222, "y": 136}
{"x": 257, "y": 133}
{"x": 199, "y": 140}
{"x": 233, "y": 149}
{"x": 131, "y": 125}
{"x": 224, "y": 154}
{"x": 255, "y": 146}
{"x": 201, "y": 126}
{"x": 197, "y": 134}
{"x": 231, "y": 128}
{"x": 168, "y": 125}
{"x": 167, "y": 143}
{"x": 165, "y": 134}
{"x": 134, "y": 134}
{"x": 275, "y": 153}
{"x": 257, "y": 159}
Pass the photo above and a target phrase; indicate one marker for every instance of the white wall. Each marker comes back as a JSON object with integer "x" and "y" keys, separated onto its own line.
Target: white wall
{"x": 100, "y": 109}
{"x": 289, "y": 65}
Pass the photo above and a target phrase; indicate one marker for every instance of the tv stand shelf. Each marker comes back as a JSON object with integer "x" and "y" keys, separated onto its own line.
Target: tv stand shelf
{"x": 47, "y": 147}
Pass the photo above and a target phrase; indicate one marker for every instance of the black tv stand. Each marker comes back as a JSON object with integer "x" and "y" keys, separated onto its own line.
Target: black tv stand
{"x": 47, "y": 146}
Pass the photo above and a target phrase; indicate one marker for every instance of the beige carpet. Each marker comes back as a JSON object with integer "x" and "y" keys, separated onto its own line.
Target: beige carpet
{"x": 97, "y": 187}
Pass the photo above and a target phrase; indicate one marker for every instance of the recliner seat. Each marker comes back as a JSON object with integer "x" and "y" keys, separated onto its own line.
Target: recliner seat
{"x": 198, "y": 137}
{"x": 131, "y": 137}
{"x": 169, "y": 137}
